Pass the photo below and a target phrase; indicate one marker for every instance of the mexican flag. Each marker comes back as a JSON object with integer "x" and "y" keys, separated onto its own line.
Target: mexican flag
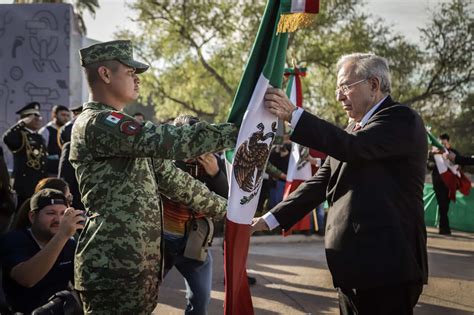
{"x": 257, "y": 131}
{"x": 299, "y": 168}
{"x": 452, "y": 176}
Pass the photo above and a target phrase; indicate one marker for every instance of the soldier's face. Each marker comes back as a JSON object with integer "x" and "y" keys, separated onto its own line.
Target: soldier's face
{"x": 45, "y": 222}
{"x": 124, "y": 84}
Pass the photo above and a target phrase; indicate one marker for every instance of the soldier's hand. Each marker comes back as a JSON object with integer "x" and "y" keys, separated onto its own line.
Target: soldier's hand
{"x": 278, "y": 104}
{"x": 26, "y": 120}
{"x": 451, "y": 156}
{"x": 71, "y": 221}
{"x": 258, "y": 224}
{"x": 209, "y": 162}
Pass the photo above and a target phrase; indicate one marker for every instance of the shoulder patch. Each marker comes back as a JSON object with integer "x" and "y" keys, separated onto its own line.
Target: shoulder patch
{"x": 113, "y": 119}
{"x": 130, "y": 127}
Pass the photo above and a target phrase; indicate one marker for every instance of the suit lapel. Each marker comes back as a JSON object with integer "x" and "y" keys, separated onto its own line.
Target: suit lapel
{"x": 338, "y": 165}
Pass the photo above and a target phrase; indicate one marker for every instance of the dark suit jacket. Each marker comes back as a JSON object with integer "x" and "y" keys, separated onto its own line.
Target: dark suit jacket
{"x": 464, "y": 160}
{"x": 373, "y": 181}
{"x": 67, "y": 173}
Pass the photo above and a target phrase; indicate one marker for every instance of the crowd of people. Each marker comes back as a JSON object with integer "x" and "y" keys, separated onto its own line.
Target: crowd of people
{"x": 143, "y": 196}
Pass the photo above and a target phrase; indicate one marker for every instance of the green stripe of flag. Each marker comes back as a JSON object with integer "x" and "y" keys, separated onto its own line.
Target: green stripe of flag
{"x": 262, "y": 59}
{"x": 433, "y": 141}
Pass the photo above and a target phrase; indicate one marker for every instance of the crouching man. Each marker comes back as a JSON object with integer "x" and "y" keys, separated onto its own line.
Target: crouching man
{"x": 39, "y": 261}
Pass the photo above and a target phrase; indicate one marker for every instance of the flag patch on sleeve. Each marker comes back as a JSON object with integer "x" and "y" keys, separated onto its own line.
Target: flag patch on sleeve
{"x": 113, "y": 119}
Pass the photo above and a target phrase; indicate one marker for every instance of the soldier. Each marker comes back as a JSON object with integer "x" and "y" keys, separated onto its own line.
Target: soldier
{"x": 122, "y": 166}
{"x": 65, "y": 169}
{"x": 29, "y": 151}
{"x": 50, "y": 133}
{"x": 65, "y": 131}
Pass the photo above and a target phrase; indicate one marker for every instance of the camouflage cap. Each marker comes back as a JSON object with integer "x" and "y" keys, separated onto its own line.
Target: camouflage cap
{"x": 120, "y": 50}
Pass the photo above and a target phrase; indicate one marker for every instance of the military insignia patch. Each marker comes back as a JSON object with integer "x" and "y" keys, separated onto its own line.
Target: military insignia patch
{"x": 130, "y": 127}
{"x": 113, "y": 119}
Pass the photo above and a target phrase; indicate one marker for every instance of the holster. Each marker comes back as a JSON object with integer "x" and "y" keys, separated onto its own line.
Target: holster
{"x": 199, "y": 232}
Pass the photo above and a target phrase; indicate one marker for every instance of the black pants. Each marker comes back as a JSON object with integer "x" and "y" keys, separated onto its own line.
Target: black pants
{"x": 390, "y": 300}
{"x": 442, "y": 197}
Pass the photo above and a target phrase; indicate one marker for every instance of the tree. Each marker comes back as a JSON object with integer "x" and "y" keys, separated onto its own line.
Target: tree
{"x": 447, "y": 65}
{"x": 198, "y": 50}
{"x": 445, "y": 95}
{"x": 201, "y": 47}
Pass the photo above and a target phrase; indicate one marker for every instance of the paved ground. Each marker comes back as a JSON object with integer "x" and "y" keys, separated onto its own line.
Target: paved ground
{"x": 302, "y": 284}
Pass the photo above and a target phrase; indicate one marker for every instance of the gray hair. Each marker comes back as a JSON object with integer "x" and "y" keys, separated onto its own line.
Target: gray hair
{"x": 368, "y": 65}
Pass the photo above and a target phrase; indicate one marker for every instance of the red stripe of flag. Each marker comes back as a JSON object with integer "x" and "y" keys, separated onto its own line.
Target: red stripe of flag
{"x": 312, "y": 6}
{"x": 237, "y": 292}
{"x": 299, "y": 91}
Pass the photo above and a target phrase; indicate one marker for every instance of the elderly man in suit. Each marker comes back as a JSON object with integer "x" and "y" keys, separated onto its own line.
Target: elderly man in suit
{"x": 373, "y": 181}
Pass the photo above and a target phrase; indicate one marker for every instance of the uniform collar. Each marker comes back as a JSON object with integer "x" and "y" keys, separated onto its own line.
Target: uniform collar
{"x": 97, "y": 105}
{"x": 30, "y": 130}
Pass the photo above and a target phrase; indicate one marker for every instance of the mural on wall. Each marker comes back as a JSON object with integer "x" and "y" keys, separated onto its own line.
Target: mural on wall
{"x": 35, "y": 59}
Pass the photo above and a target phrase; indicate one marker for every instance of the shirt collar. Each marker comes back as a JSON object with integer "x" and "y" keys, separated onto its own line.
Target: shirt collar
{"x": 369, "y": 114}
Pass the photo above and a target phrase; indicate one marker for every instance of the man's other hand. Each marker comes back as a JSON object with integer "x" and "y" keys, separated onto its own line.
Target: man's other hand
{"x": 451, "y": 156}
{"x": 258, "y": 224}
{"x": 209, "y": 162}
{"x": 28, "y": 119}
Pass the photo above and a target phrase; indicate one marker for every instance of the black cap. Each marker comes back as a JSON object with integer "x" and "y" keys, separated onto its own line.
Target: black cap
{"x": 76, "y": 108}
{"x": 46, "y": 197}
{"x": 30, "y": 108}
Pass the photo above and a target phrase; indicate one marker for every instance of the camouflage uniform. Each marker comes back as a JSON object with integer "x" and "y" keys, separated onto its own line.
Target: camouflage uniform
{"x": 122, "y": 167}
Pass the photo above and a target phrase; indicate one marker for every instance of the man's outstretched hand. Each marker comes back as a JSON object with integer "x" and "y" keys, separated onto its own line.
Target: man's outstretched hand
{"x": 258, "y": 224}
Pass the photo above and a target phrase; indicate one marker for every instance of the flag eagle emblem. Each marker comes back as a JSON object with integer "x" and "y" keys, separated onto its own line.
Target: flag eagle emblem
{"x": 250, "y": 160}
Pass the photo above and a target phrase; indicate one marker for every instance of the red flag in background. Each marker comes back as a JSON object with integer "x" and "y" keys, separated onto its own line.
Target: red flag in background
{"x": 299, "y": 168}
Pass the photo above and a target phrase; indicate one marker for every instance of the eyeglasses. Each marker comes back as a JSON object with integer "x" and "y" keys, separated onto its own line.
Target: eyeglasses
{"x": 345, "y": 88}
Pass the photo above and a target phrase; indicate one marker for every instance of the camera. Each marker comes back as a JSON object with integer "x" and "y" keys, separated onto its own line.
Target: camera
{"x": 83, "y": 222}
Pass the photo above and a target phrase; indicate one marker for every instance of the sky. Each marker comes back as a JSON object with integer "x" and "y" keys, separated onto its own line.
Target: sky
{"x": 406, "y": 16}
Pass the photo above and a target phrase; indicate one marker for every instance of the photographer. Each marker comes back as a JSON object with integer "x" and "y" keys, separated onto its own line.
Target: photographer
{"x": 39, "y": 261}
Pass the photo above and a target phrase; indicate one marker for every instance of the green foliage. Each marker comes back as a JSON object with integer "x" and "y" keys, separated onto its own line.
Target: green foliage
{"x": 198, "y": 50}
{"x": 446, "y": 97}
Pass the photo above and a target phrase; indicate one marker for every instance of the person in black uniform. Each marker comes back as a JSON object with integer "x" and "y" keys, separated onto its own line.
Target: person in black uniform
{"x": 60, "y": 116}
{"x": 29, "y": 151}
{"x": 65, "y": 131}
{"x": 440, "y": 188}
{"x": 7, "y": 200}
{"x": 65, "y": 170}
